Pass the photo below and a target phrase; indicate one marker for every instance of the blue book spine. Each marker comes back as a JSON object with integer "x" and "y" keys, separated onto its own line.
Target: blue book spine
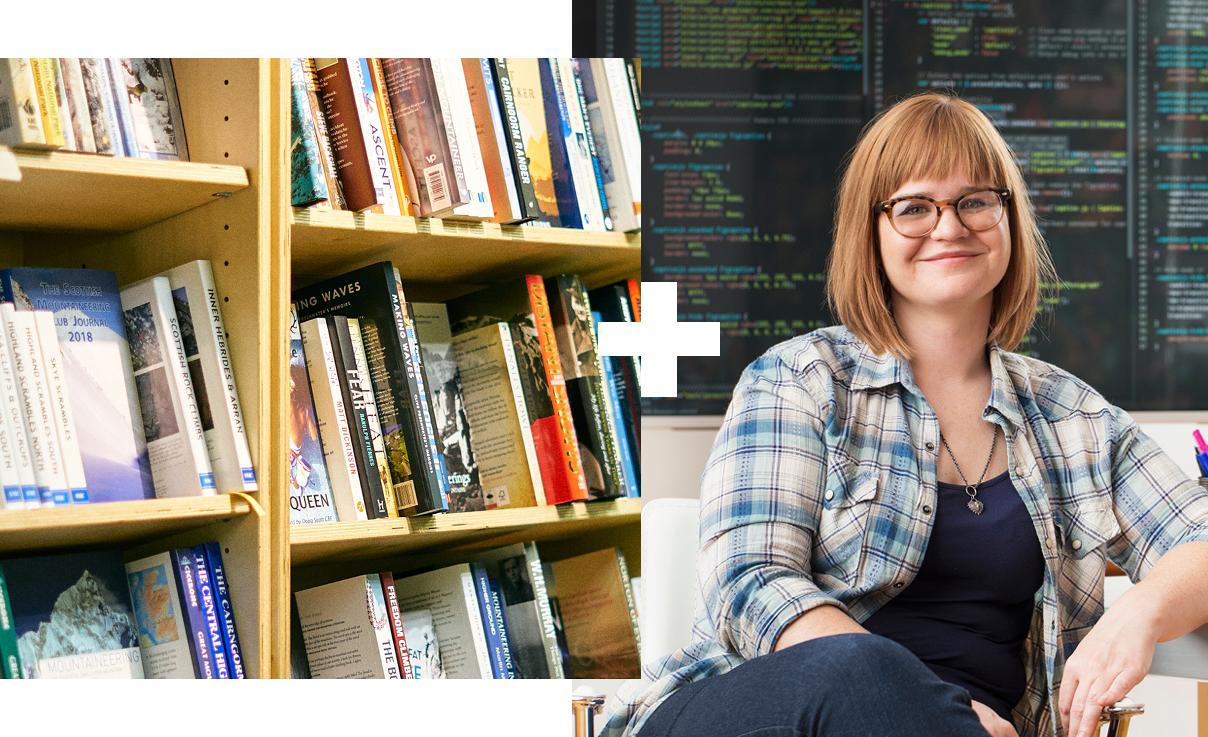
{"x": 558, "y": 126}
{"x": 482, "y": 584}
{"x": 230, "y": 638}
{"x": 628, "y": 468}
{"x": 209, "y": 608}
{"x": 199, "y": 637}
{"x": 497, "y": 610}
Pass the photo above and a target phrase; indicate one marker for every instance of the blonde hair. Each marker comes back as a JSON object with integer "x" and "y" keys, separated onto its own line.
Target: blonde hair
{"x": 928, "y": 136}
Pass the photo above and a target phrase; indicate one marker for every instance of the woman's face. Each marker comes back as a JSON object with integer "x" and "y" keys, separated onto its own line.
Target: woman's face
{"x": 952, "y": 268}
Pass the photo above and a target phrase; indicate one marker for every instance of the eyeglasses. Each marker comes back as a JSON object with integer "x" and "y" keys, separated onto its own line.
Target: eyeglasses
{"x": 915, "y": 217}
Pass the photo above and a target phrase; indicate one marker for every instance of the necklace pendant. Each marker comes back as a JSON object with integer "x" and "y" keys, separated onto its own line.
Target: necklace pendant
{"x": 976, "y": 506}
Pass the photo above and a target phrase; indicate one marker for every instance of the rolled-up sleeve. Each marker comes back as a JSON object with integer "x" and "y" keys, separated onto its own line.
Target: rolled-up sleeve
{"x": 760, "y": 498}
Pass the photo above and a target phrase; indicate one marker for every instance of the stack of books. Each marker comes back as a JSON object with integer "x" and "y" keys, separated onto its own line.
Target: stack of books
{"x": 498, "y": 399}
{"x": 551, "y": 142}
{"x": 504, "y": 614}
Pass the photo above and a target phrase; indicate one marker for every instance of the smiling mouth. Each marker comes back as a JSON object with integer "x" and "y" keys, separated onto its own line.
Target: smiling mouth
{"x": 954, "y": 255}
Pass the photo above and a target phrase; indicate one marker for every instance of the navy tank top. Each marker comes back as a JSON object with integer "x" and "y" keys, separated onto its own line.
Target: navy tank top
{"x": 968, "y": 611}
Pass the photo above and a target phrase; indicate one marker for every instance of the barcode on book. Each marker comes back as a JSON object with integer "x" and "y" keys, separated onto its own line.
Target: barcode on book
{"x": 438, "y": 191}
{"x": 6, "y": 118}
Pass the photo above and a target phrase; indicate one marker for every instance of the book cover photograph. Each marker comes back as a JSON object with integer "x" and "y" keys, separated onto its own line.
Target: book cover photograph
{"x": 310, "y": 494}
{"x": 162, "y": 631}
{"x": 527, "y": 614}
{"x": 73, "y": 616}
{"x": 150, "y": 89}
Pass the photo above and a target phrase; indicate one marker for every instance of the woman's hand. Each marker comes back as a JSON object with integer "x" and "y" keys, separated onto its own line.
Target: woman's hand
{"x": 994, "y": 724}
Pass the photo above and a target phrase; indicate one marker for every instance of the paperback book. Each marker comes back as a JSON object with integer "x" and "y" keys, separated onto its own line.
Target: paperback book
{"x": 310, "y": 496}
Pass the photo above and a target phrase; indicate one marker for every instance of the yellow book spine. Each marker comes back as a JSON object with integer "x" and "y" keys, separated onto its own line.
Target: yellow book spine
{"x": 48, "y": 101}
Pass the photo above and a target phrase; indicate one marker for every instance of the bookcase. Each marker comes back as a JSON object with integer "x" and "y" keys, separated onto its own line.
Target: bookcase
{"x": 230, "y": 205}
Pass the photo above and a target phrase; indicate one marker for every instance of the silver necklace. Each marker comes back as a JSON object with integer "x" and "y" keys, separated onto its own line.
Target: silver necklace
{"x": 974, "y": 504}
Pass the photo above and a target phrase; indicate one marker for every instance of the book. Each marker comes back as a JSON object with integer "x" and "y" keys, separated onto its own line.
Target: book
{"x": 339, "y": 452}
{"x": 508, "y": 466}
{"x": 77, "y": 104}
{"x": 180, "y": 463}
{"x": 16, "y": 424}
{"x": 524, "y": 81}
{"x": 573, "y": 80}
{"x": 626, "y": 110}
{"x": 69, "y": 134}
{"x": 606, "y": 134}
{"x": 62, "y": 415}
{"x": 482, "y": 586}
{"x": 208, "y": 595}
{"x": 10, "y": 663}
{"x": 226, "y": 613}
{"x": 571, "y": 317}
{"x": 501, "y": 623}
{"x": 346, "y": 627}
{"x": 629, "y": 478}
{"x": 373, "y": 131}
{"x": 20, "y": 114}
{"x": 396, "y": 625}
{"x": 492, "y": 140}
{"x": 614, "y": 304}
{"x": 184, "y": 566}
{"x": 523, "y": 304}
{"x": 364, "y": 396}
{"x": 599, "y": 614}
{"x": 422, "y": 646}
{"x": 394, "y": 151}
{"x": 529, "y": 621}
{"x": 156, "y": 124}
{"x": 335, "y": 195}
{"x": 449, "y": 593}
{"x": 73, "y": 616}
{"x": 455, "y": 100}
{"x": 310, "y": 496}
{"x": 122, "y": 113}
{"x": 371, "y": 295}
{"x": 167, "y": 646}
{"x": 105, "y": 132}
{"x": 423, "y": 139}
{"x": 48, "y": 101}
{"x": 450, "y": 422}
{"x": 195, "y": 298}
{"x": 572, "y": 213}
{"x": 555, "y": 607}
{"x": 308, "y": 185}
{"x": 30, "y": 373}
{"x": 578, "y": 149}
{"x": 513, "y": 138}
{"x": 355, "y": 388}
{"x": 99, "y": 378}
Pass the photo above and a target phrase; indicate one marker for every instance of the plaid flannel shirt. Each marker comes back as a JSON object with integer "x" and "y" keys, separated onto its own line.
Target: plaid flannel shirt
{"x": 815, "y": 489}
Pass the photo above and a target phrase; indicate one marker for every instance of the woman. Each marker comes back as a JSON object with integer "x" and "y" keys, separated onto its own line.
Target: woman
{"x": 906, "y": 476}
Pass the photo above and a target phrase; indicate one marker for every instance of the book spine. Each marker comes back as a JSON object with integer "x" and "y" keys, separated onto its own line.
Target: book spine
{"x": 209, "y": 610}
{"x": 177, "y": 144}
{"x": 10, "y": 662}
{"x": 482, "y": 586}
{"x": 631, "y": 602}
{"x": 30, "y": 373}
{"x": 338, "y": 446}
{"x": 100, "y": 103}
{"x": 480, "y": 206}
{"x": 393, "y": 151}
{"x": 64, "y": 417}
{"x": 410, "y": 85}
{"x": 396, "y": 625}
{"x": 571, "y": 212}
{"x": 10, "y": 459}
{"x": 196, "y": 296}
{"x": 340, "y": 108}
{"x": 509, "y": 665}
{"x": 396, "y": 421}
{"x": 156, "y": 131}
{"x": 626, "y": 114}
{"x": 580, "y": 99}
{"x": 526, "y": 429}
{"x": 121, "y": 107}
{"x": 358, "y": 422}
{"x": 48, "y": 101}
{"x": 553, "y": 656}
{"x": 578, "y": 155}
{"x": 608, "y": 145}
{"x": 619, "y": 435}
{"x": 373, "y": 136}
{"x": 635, "y": 92}
{"x": 185, "y": 570}
{"x": 362, "y": 394}
{"x": 230, "y": 636}
{"x": 478, "y": 636}
{"x": 444, "y": 100}
{"x": 379, "y": 620}
{"x": 19, "y": 111}
{"x": 16, "y": 420}
{"x": 570, "y": 461}
{"x": 77, "y": 104}
{"x": 326, "y": 158}
{"x": 480, "y": 86}
{"x": 311, "y": 500}
{"x": 64, "y": 105}
{"x": 307, "y": 183}
{"x": 513, "y": 139}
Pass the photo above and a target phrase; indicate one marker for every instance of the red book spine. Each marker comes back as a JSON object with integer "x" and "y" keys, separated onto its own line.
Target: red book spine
{"x": 575, "y": 486}
{"x": 396, "y": 624}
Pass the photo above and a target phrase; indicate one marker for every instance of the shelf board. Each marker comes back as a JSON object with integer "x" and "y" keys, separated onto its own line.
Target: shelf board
{"x": 68, "y": 191}
{"x": 431, "y": 250}
{"x": 117, "y": 523}
{"x": 344, "y": 541}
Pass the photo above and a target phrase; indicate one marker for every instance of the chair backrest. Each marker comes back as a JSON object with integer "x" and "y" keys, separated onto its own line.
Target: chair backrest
{"x": 670, "y": 593}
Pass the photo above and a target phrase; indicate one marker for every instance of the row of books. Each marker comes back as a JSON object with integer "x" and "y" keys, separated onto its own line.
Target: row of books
{"x": 111, "y": 394}
{"x": 506, "y": 614}
{"x": 91, "y": 615}
{"x": 497, "y": 399}
{"x": 550, "y": 142}
{"x": 118, "y": 107}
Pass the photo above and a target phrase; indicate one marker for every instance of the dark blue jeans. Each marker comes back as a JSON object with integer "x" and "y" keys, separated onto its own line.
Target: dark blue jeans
{"x": 838, "y": 686}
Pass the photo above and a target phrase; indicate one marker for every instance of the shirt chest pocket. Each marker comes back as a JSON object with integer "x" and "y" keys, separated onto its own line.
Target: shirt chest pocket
{"x": 1086, "y": 526}
{"x": 843, "y": 518}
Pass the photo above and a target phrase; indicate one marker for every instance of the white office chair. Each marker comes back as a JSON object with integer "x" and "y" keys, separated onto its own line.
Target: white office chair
{"x": 672, "y": 598}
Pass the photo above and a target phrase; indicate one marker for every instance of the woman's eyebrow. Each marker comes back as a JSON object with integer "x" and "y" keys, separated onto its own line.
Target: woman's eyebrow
{"x": 963, "y": 191}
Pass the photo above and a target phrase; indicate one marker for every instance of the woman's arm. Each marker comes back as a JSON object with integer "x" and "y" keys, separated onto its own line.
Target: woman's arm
{"x": 818, "y": 622}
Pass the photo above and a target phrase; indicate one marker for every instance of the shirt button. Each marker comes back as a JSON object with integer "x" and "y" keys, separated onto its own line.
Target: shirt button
{"x": 898, "y": 585}
{"x": 1077, "y": 545}
{"x": 926, "y": 509}
{"x": 1019, "y": 471}
{"x": 1049, "y": 541}
{"x": 830, "y": 494}
{"x": 930, "y": 446}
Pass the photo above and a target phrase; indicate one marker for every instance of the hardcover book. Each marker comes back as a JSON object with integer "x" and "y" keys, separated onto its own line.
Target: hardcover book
{"x": 212, "y": 617}
{"x": 495, "y": 408}
{"x": 105, "y": 133}
{"x": 524, "y": 305}
{"x": 310, "y": 497}
{"x": 167, "y": 646}
{"x": 149, "y": 87}
{"x": 529, "y": 621}
{"x": 482, "y": 586}
{"x": 449, "y": 416}
{"x": 73, "y": 616}
{"x": 501, "y": 623}
{"x": 346, "y": 627}
{"x": 195, "y": 298}
{"x": 450, "y": 595}
{"x": 180, "y": 463}
{"x": 524, "y": 81}
{"x": 308, "y": 185}
{"x": 599, "y": 615}
{"x": 86, "y": 304}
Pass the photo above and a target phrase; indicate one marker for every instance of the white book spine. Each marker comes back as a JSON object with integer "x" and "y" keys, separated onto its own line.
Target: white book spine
{"x": 64, "y": 418}
{"x": 69, "y": 138}
{"x": 380, "y": 621}
{"x": 501, "y": 139}
{"x": 77, "y": 101}
{"x": 373, "y": 135}
{"x": 365, "y": 392}
{"x": 180, "y": 464}
{"x": 16, "y": 420}
{"x": 123, "y": 120}
{"x": 479, "y": 193}
{"x": 627, "y": 123}
{"x": 526, "y": 430}
{"x": 35, "y": 394}
{"x": 608, "y": 146}
{"x": 446, "y": 111}
{"x": 478, "y": 634}
{"x": 19, "y": 105}
{"x": 226, "y": 439}
{"x": 332, "y": 416}
{"x": 577, "y": 152}
{"x": 13, "y": 491}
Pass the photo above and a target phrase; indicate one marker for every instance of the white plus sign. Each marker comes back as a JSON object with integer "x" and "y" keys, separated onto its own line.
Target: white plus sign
{"x": 659, "y": 339}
